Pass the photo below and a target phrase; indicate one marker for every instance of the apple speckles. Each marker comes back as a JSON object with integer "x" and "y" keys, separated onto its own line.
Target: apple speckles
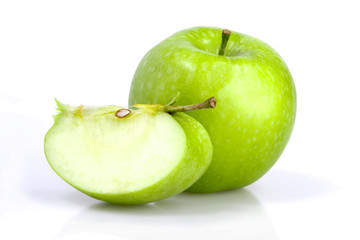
{"x": 205, "y": 41}
{"x": 167, "y": 54}
{"x": 169, "y": 71}
{"x": 293, "y": 116}
{"x": 230, "y": 123}
{"x": 205, "y": 34}
{"x": 149, "y": 84}
{"x": 144, "y": 62}
{"x": 222, "y": 115}
{"x": 193, "y": 35}
{"x": 267, "y": 116}
{"x": 141, "y": 86}
{"x": 151, "y": 69}
{"x": 161, "y": 87}
{"x": 250, "y": 114}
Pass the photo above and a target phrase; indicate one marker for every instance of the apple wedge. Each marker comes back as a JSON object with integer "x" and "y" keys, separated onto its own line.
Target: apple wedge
{"x": 128, "y": 156}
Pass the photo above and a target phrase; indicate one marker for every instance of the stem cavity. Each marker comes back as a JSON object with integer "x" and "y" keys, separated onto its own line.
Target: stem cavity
{"x": 224, "y": 40}
{"x": 209, "y": 103}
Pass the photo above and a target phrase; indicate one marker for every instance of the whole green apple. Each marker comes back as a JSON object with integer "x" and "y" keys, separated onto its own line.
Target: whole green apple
{"x": 129, "y": 156}
{"x": 257, "y": 99}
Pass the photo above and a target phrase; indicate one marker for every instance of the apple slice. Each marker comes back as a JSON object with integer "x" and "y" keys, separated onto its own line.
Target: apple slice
{"x": 128, "y": 156}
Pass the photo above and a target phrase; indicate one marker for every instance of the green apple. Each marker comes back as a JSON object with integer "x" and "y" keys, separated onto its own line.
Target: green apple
{"x": 129, "y": 156}
{"x": 254, "y": 88}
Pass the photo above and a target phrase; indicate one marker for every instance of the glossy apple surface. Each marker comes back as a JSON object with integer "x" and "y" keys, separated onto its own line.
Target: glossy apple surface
{"x": 256, "y": 96}
{"x": 127, "y": 157}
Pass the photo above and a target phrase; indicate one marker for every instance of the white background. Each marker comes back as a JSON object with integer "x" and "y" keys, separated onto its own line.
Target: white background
{"x": 85, "y": 52}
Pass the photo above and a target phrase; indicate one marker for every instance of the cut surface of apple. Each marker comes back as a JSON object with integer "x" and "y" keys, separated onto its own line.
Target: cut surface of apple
{"x": 139, "y": 157}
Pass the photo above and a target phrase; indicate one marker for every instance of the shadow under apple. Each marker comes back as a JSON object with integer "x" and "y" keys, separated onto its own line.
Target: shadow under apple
{"x": 233, "y": 214}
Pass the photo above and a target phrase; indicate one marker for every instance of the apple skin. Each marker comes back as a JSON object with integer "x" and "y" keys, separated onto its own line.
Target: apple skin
{"x": 256, "y": 96}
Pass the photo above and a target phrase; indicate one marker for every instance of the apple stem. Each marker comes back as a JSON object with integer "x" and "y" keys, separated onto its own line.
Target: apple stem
{"x": 224, "y": 40}
{"x": 209, "y": 103}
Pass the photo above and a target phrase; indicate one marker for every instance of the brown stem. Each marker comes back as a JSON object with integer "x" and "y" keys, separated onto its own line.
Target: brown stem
{"x": 224, "y": 40}
{"x": 209, "y": 103}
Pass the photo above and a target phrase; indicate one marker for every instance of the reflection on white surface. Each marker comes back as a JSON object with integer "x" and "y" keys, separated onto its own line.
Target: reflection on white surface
{"x": 227, "y": 215}
{"x": 290, "y": 186}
